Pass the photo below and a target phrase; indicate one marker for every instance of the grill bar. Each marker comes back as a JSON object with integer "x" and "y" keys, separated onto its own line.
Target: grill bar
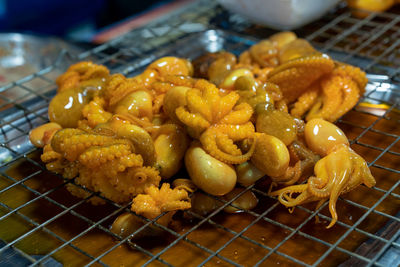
{"x": 361, "y": 41}
{"x": 239, "y": 234}
{"x": 46, "y": 231}
{"x": 193, "y": 229}
{"x": 355, "y": 225}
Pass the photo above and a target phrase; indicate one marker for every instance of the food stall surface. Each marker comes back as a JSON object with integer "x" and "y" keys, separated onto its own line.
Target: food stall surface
{"x": 42, "y": 223}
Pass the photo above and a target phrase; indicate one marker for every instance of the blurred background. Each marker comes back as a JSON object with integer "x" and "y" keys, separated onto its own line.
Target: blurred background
{"x": 83, "y": 24}
{"x": 85, "y": 20}
{"x": 77, "y": 20}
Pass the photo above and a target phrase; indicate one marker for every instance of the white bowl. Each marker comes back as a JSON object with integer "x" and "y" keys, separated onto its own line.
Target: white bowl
{"x": 280, "y": 14}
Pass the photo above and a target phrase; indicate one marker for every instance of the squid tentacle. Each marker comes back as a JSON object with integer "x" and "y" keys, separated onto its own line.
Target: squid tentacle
{"x": 135, "y": 180}
{"x": 291, "y": 176}
{"x": 305, "y": 102}
{"x": 239, "y": 115}
{"x": 234, "y": 132}
{"x": 331, "y": 88}
{"x": 190, "y": 119}
{"x": 227, "y": 145}
{"x": 350, "y": 98}
{"x": 319, "y": 187}
{"x": 227, "y": 103}
{"x": 198, "y": 105}
{"x": 336, "y": 191}
{"x": 284, "y": 195}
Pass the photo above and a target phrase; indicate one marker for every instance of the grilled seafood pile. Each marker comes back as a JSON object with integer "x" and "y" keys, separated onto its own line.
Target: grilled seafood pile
{"x": 229, "y": 120}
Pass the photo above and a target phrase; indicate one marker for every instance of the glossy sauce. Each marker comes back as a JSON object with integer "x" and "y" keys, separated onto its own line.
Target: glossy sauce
{"x": 66, "y": 106}
{"x": 96, "y": 241}
{"x": 322, "y": 136}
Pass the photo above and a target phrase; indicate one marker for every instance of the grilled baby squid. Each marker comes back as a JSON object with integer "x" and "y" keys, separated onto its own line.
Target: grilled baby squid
{"x": 186, "y": 184}
{"x": 138, "y": 104}
{"x": 141, "y": 139}
{"x": 271, "y": 156}
{"x": 339, "y": 171}
{"x": 170, "y": 145}
{"x": 246, "y": 201}
{"x": 43, "y": 134}
{"x": 208, "y": 173}
{"x": 248, "y": 174}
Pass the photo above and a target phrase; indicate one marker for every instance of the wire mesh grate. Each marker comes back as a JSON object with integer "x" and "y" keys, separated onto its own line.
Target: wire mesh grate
{"x": 41, "y": 221}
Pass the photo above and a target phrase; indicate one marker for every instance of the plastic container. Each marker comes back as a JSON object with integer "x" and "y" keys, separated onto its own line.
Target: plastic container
{"x": 280, "y": 14}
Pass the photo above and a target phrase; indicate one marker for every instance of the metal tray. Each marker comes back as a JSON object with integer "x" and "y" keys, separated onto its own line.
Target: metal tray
{"x": 268, "y": 235}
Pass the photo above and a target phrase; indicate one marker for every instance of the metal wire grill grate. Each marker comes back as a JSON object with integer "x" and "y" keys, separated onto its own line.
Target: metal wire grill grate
{"x": 42, "y": 221}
